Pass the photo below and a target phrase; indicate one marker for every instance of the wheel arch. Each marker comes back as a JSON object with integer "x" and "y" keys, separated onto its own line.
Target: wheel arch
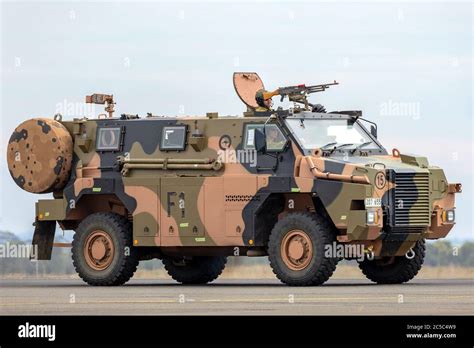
{"x": 278, "y": 205}
{"x": 88, "y": 204}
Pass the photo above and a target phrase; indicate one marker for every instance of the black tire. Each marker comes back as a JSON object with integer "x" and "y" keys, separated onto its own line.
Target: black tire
{"x": 198, "y": 270}
{"x": 124, "y": 261}
{"x": 320, "y": 232}
{"x": 399, "y": 271}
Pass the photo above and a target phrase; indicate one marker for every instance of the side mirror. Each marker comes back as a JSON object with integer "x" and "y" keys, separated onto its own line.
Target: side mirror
{"x": 260, "y": 141}
{"x": 373, "y": 131}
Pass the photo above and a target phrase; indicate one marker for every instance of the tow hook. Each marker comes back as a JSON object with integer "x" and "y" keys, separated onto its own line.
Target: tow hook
{"x": 410, "y": 254}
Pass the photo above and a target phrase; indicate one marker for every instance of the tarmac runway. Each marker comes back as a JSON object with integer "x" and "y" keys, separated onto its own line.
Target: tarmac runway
{"x": 236, "y": 297}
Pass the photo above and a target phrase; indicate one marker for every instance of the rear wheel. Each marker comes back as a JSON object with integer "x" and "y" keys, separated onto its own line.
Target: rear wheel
{"x": 102, "y": 250}
{"x": 197, "y": 270}
{"x": 396, "y": 269}
{"x": 296, "y": 249}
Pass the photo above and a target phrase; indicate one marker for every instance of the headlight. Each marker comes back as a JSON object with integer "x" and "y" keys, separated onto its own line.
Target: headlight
{"x": 372, "y": 218}
{"x": 448, "y": 216}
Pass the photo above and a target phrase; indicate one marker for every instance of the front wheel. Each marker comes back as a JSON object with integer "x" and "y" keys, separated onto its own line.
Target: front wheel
{"x": 296, "y": 249}
{"x": 396, "y": 269}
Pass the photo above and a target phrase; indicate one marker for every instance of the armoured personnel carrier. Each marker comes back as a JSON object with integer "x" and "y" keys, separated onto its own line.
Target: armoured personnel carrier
{"x": 296, "y": 185}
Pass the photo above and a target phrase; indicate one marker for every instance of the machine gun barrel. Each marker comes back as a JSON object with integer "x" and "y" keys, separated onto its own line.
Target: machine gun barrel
{"x": 303, "y": 89}
{"x": 320, "y": 88}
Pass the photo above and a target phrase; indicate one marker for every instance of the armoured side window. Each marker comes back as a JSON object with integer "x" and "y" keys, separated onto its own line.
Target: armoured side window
{"x": 249, "y": 136}
{"x": 108, "y": 138}
{"x": 173, "y": 138}
{"x": 276, "y": 140}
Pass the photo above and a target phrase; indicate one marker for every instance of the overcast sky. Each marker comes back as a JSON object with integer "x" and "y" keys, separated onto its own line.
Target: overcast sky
{"x": 407, "y": 66}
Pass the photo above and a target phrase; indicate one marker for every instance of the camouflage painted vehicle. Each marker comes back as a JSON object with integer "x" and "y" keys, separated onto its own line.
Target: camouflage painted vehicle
{"x": 294, "y": 185}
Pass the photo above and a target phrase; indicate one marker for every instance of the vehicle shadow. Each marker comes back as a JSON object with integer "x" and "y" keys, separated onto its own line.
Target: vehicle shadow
{"x": 244, "y": 283}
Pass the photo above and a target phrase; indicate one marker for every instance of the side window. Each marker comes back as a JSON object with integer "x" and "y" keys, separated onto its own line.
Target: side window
{"x": 108, "y": 138}
{"x": 173, "y": 138}
{"x": 276, "y": 141}
{"x": 249, "y": 138}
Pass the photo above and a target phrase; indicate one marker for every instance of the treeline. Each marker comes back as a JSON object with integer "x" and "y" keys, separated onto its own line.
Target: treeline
{"x": 444, "y": 253}
{"x": 438, "y": 253}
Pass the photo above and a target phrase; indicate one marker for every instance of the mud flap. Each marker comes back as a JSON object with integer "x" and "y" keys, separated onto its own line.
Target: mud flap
{"x": 43, "y": 239}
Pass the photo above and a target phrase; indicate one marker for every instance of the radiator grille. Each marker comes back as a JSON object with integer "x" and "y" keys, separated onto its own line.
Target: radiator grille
{"x": 412, "y": 200}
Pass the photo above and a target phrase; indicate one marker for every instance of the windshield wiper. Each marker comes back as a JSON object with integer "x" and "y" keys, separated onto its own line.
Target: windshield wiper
{"x": 327, "y": 145}
{"x": 361, "y": 146}
{"x": 343, "y": 145}
{"x": 339, "y": 146}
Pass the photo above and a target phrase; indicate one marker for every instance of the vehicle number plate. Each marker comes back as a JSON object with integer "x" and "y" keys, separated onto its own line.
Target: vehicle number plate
{"x": 373, "y": 202}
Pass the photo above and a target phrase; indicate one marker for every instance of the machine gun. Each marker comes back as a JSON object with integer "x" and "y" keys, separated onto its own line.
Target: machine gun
{"x": 298, "y": 93}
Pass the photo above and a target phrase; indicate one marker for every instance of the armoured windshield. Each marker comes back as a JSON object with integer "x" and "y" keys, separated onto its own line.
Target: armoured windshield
{"x": 330, "y": 133}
